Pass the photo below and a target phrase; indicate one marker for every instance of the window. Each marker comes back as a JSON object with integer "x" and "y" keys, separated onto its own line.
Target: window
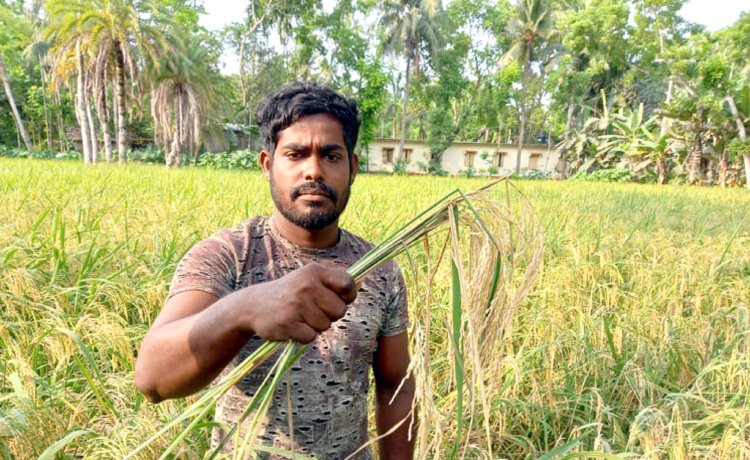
{"x": 406, "y": 158}
{"x": 534, "y": 160}
{"x": 387, "y": 155}
{"x": 498, "y": 159}
{"x": 469, "y": 158}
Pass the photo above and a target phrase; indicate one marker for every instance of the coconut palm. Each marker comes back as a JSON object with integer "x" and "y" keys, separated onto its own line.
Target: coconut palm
{"x": 532, "y": 30}
{"x": 180, "y": 100}
{"x": 414, "y": 27}
{"x": 113, "y": 29}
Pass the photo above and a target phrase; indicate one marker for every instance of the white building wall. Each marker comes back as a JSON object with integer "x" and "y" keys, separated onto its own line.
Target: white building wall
{"x": 454, "y": 157}
{"x": 420, "y": 153}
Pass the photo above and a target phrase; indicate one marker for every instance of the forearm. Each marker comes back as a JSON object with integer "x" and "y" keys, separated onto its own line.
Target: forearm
{"x": 180, "y": 357}
{"x": 399, "y": 444}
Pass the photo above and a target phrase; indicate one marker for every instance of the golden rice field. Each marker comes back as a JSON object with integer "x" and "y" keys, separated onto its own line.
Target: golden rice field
{"x": 633, "y": 343}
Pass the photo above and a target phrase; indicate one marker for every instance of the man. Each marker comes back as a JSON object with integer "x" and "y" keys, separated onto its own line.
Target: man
{"x": 283, "y": 278}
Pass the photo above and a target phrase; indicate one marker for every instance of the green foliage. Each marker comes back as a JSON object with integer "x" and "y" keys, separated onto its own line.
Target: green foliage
{"x": 370, "y": 99}
{"x": 432, "y": 167}
{"x": 10, "y": 152}
{"x": 605, "y": 175}
{"x": 399, "y": 167}
{"x": 468, "y": 172}
{"x": 363, "y": 161}
{"x": 69, "y": 155}
{"x": 469, "y": 75}
{"x": 151, "y": 154}
{"x": 739, "y": 147}
{"x": 534, "y": 174}
{"x": 440, "y": 131}
{"x": 239, "y": 159}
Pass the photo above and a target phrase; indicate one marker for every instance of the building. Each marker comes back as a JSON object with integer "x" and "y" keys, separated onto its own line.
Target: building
{"x": 480, "y": 157}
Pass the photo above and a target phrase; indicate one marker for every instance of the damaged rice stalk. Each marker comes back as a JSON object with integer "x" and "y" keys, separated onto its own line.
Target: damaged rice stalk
{"x": 494, "y": 242}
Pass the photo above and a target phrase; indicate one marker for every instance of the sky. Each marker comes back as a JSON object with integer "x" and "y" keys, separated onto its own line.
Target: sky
{"x": 714, "y": 14}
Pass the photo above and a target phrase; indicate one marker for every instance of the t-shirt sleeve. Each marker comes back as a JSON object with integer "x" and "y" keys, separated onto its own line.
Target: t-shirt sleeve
{"x": 210, "y": 266}
{"x": 396, "y": 313}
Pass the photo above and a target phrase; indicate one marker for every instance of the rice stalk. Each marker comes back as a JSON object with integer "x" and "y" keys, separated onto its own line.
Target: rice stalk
{"x": 476, "y": 302}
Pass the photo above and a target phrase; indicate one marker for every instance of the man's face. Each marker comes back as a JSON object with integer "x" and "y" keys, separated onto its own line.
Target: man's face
{"x": 310, "y": 172}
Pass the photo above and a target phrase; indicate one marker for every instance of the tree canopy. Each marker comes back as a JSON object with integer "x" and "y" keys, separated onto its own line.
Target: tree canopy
{"x": 104, "y": 74}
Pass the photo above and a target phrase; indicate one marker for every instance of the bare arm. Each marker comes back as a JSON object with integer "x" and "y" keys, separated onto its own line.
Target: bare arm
{"x": 197, "y": 334}
{"x": 391, "y": 366}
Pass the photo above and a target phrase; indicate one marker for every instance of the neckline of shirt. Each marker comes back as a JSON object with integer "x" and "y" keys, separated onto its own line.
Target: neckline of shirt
{"x": 275, "y": 234}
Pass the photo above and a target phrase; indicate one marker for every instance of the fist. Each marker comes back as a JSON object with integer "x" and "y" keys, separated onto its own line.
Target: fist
{"x": 301, "y": 304}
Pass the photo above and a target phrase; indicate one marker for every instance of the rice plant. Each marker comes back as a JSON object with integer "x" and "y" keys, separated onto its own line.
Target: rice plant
{"x": 504, "y": 247}
{"x": 634, "y": 338}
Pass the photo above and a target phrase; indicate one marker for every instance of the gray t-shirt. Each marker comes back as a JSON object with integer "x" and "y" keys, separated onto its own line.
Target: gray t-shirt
{"x": 329, "y": 383}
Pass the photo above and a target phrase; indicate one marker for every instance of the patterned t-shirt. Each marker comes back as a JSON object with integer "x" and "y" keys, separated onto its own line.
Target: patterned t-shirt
{"x": 329, "y": 383}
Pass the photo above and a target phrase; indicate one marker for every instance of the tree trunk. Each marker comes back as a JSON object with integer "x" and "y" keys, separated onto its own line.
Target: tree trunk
{"x": 47, "y": 124}
{"x": 16, "y": 116}
{"x": 522, "y": 106}
{"x": 404, "y": 103}
{"x": 723, "y": 168}
{"x": 104, "y": 119}
{"x": 122, "y": 141}
{"x": 563, "y": 165}
{"x": 81, "y": 106}
{"x": 174, "y": 149}
{"x": 102, "y": 112}
{"x": 696, "y": 160}
{"x": 661, "y": 167}
{"x": 62, "y": 139}
{"x": 92, "y": 130}
{"x": 243, "y": 84}
{"x": 181, "y": 128}
{"x": 173, "y": 157}
{"x": 743, "y": 136}
{"x": 664, "y": 125}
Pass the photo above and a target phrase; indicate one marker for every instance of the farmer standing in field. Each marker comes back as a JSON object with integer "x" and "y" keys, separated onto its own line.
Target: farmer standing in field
{"x": 283, "y": 278}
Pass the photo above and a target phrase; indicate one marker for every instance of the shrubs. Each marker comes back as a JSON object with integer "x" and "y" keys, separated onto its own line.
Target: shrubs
{"x": 531, "y": 174}
{"x": 151, "y": 154}
{"x": 10, "y": 152}
{"x": 240, "y": 159}
{"x": 605, "y": 175}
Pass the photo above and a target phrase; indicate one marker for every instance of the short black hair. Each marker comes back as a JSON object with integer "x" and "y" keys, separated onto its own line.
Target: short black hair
{"x": 300, "y": 98}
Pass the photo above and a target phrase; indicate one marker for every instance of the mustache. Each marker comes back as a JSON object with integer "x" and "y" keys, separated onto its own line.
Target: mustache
{"x": 313, "y": 187}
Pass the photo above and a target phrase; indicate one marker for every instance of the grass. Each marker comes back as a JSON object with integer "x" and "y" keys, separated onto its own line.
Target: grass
{"x": 633, "y": 339}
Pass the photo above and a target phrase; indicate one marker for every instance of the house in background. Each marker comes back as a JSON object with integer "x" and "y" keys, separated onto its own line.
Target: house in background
{"x": 480, "y": 157}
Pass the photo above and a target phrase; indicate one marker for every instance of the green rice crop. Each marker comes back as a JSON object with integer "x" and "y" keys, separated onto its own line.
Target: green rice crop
{"x": 634, "y": 339}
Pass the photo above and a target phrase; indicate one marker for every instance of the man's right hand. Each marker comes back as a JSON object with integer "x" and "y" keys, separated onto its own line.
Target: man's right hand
{"x": 197, "y": 334}
{"x": 299, "y": 305}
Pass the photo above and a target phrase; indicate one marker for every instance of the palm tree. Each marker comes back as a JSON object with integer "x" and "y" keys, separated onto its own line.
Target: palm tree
{"x": 531, "y": 30}
{"x": 180, "y": 100}
{"x": 413, "y": 26}
{"x": 115, "y": 29}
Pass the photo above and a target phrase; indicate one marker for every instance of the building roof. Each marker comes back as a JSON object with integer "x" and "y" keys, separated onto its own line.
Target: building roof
{"x": 467, "y": 143}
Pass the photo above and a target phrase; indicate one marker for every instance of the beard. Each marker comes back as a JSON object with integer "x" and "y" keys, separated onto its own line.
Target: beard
{"x": 315, "y": 215}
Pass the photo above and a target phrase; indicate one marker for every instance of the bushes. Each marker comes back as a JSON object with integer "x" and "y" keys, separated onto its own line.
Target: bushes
{"x": 433, "y": 167}
{"x": 151, "y": 154}
{"x": 605, "y": 175}
{"x": 240, "y": 159}
{"x": 531, "y": 174}
{"x": 10, "y": 152}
